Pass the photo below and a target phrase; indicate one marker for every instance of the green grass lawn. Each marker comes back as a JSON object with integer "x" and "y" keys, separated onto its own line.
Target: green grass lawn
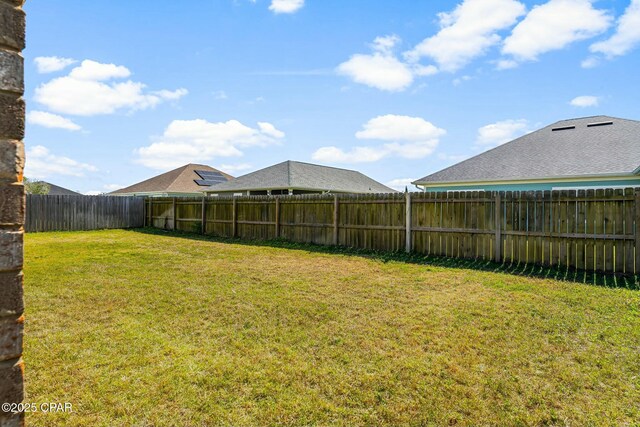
{"x": 157, "y": 329}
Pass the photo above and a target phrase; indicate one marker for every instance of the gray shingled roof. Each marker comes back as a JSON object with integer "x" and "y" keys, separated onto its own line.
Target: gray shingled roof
{"x": 180, "y": 180}
{"x": 608, "y": 150}
{"x": 56, "y": 190}
{"x": 303, "y": 176}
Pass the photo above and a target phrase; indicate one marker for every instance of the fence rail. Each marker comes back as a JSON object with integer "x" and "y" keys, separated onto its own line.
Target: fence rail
{"x": 68, "y": 213}
{"x": 594, "y": 230}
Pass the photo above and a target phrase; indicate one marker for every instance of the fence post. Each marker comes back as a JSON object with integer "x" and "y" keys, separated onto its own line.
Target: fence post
{"x": 498, "y": 221}
{"x": 234, "y": 224}
{"x": 204, "y": 214}
{"x": 277, "y": 217}
{"x": 336, "y": 212}
{"x": 637, "y": 229}
{"x": 150, "y": 213}
{"x": 407, "y": 245}
{"x": 173, "y": 209}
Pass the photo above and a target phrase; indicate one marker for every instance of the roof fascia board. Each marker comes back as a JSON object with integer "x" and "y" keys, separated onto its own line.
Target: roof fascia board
{"x": 264, "y": 189}
{"x": 604, "y": 177}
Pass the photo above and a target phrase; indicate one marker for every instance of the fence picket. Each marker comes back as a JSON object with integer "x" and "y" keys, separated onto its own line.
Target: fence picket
{"x": 76, "y": 213}
{"x": 590, "y": 230}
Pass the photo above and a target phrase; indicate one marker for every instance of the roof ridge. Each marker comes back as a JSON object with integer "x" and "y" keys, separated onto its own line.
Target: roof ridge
{"x": 323, "y": 166}
{"x": 299, "y": 175}
{"x": 192, "y": 168}
{"x": 185, "y": 168}
{"x": 593, "y": 117}
{"x": 173, "y": 180}
{"x": 582, "y": 117}
{"x": 144, "y": 181}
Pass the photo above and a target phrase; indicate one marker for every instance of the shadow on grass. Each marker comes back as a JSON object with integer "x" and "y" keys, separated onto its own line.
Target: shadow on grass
{"x": 526, "y": 270}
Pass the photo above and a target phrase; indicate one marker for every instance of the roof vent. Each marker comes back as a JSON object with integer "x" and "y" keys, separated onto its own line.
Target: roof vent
{"x": 590, "y": 125}
{"x": 563, "y": 128}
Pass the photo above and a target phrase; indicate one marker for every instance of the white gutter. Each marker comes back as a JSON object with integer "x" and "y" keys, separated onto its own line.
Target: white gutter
{"x": 576, "y": 178}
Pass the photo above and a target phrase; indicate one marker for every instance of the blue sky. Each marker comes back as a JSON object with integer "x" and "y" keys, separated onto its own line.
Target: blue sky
{"x": 120, "y": 91}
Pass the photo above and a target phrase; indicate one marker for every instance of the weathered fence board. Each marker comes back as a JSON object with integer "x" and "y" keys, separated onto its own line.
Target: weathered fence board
{"x": 69, "y": 213}
{"x": 595, "y": 230}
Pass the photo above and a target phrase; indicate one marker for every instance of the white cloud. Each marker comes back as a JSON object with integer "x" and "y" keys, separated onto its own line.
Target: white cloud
{"x": 399, "y": 128}
{"x": 112, "y": 187}
{"x": 409, "y": 137}
{"x": 286, "y": 6}
{"x": 385, "y": 44}
{"x": 171, "y": 95}
{"x": 270, "y": 130}
{"x": 467, "y": 32}
{"x": 41, "y": 164}
{"x": 92, "y": 70}
{"x": 86, "y": 91}
{"x": 49, "y": 120}
{"x": 107, "y": 188}
{"x": 627, "y": 35}
{"x": 50, "y": 64}
{"x": 585, "y": 101}
{"x": 500, "y": 132}
{"x": 553, "y": 26}
{"x": 334, "y": 154}
{"x": 590, "y": 62}
{"x": 424, "y": 70}
{"x": 506, "y": 64}
{"x": 401, "y": 183}
{"x": 185, "y": 141}
{"x": 382, "y": 69}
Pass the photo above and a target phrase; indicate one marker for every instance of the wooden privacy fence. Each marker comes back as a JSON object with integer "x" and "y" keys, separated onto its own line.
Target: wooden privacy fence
{"x": 594, "y": 230}
{"x": 67, "y": 213}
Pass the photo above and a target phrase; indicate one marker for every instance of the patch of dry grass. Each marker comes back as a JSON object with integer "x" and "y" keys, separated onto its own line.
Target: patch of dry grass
{"x": 147, "y": 329}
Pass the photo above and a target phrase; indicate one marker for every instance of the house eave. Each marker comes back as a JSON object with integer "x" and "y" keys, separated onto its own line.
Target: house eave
{"x": 240, "y": 190}
{"x": 576, "y": 178}
{"x": 157, "y": 193}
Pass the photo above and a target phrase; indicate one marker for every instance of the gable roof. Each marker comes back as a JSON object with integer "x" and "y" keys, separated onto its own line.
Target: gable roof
{"x": 582, "y": 147}
{"x": 56, "y": 190}
{"x": 181, "y": 180}
{"x": 303, "y": 176}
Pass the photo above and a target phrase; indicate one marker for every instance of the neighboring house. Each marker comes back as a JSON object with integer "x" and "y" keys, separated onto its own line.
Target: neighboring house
{"x": 299, "y": 178}
{"x": 589, "y": 152}
{"x": 188, "y": 180}
{"x": 56, "y": 190}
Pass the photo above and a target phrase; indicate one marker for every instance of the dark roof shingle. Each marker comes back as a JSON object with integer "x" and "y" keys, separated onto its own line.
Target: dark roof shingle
{"x": 612, "y": 149}
{"x": 303, "y": 176}
{"x": 180, "y": 180}
{"x": 56, "y": 190}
